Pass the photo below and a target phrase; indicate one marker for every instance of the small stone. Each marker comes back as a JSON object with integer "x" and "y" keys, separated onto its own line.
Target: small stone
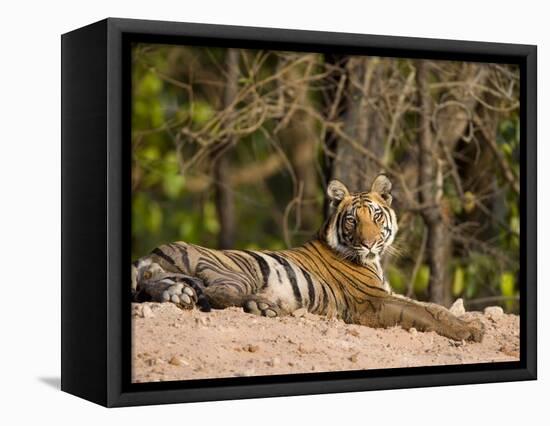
{"x": 299, "y": 313}
{"x": 252, "y": 348}
{"x": 178, "y": 361}
{"x": 246, "y": 373}
{"x": 458, "y": 308}
{"x": 274, "y": 362}
{"x": 146, "y": 312}
{"x": 493, "y": 312}
{"x": 354, "y": 357}
{"x": 353, "y": 332}
{"x": 305, "y": 349}
{"x": 413, "y": 331}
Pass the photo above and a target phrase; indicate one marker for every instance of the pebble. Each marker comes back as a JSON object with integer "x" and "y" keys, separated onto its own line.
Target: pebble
{"x": 299, "y": 313}
{"x": 274, "y": 362}
{"x": 458, "y": 308}
{"x": 252, "y": 348}
{"x": 413, "y": 331}
{"x": 354, "y": 357}
{"x": 305, "y": 349}
{"x": 246, "y": 373}
{"x": 146, "y": 312}
{"x": 493, "y": 312}
{"x": 178, "y": 361}
{"x": 353, "y": 332}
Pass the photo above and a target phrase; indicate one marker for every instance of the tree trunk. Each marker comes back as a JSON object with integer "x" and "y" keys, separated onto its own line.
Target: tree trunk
{"x": 431, "y": 194}
{"x": 225, "y": 204}
{"x": 362, "y": 123}
{"x": 301, "y": 136}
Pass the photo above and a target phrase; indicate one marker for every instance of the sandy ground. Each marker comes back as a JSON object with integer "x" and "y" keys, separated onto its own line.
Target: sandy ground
{"x": 171, "y": 344}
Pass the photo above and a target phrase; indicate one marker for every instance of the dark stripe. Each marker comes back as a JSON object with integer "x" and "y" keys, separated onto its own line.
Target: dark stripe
{"x": 184, "y": 257}
{"x": 310, "y": 290}
{"x": 325, "y": 300}
{"x": 340, "y": 228}
{"x": 163, "y": 255}
{"x": 291, "y": 276}
{"x": 240, "y": 261}
{"x": 264, "y": 266}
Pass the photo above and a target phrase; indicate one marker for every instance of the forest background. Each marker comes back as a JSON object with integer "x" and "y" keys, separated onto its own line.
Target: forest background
{"x": 233, "y": 148}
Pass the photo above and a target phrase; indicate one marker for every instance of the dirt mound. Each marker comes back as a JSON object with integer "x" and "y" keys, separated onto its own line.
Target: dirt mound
{"x": 171, "y": 344}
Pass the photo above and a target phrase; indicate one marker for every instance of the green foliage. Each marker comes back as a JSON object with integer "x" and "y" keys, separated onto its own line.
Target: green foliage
{"x": 396, "y": 278}
{"x": 458, "y": 281}
{"x": 422, "y": 280}
{"x": 178, "y": 88}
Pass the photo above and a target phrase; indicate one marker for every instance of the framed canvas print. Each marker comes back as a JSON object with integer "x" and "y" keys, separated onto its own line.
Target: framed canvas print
{"x": 252, "y": 212}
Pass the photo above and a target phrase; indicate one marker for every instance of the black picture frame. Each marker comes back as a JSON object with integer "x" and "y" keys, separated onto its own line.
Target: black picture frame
{"x": 96, "y": 212}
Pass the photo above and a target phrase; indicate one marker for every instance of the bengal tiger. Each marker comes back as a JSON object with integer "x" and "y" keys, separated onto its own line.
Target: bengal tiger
{"x": 337, "y": 274}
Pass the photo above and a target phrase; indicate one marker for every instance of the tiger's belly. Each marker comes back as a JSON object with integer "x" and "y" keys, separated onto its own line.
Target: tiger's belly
{"x": 288, "y": 285}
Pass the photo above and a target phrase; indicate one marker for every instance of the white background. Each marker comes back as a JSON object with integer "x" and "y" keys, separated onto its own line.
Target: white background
{"x": 30, "y": 210}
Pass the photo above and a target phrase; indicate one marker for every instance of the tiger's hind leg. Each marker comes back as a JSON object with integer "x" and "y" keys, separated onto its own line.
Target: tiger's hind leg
{"x": 182, "y": 290}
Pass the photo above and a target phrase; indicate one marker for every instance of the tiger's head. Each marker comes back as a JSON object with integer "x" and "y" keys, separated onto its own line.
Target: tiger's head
{"x": 361, "y": 226}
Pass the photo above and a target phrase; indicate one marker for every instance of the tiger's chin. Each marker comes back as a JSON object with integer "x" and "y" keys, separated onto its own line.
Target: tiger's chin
{"x": 368, "y": 258}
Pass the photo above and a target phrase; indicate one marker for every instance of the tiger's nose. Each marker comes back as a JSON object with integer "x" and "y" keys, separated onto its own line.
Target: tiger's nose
{"x": 368, "y": 244}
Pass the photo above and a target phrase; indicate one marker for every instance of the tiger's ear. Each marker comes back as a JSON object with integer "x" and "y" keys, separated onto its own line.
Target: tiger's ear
{"x": 336, "y": 192}
{"x": 382, "y": 186}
